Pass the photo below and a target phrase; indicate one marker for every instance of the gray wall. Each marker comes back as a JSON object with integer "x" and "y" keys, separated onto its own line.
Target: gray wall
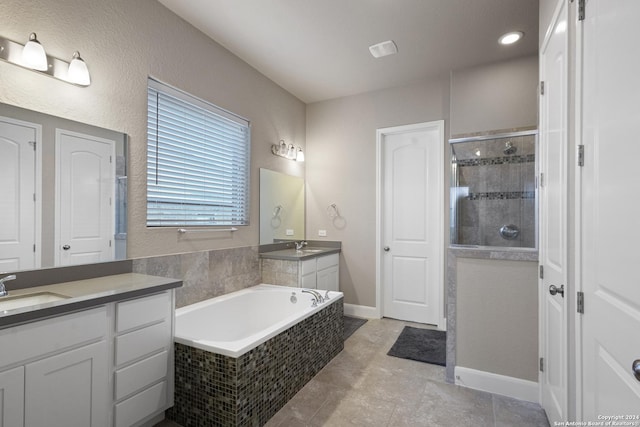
{"x": 341, "y": 169}
{"x": 494, "y": 96}
{"x": 124, "y": 42}
{"x": 505, "y": 97}
{"x": 497, "y": 317}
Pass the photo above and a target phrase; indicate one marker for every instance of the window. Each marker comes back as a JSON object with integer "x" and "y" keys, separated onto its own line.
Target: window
{"x": 197, "y": 161}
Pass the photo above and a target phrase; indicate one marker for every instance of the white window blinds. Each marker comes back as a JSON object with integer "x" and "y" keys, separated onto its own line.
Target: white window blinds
{"x": 197, "y": 161}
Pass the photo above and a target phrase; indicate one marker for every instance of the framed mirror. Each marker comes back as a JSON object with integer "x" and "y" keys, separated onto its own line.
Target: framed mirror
{"x": 281, "y": 207}
{"x": 64, "y": 191}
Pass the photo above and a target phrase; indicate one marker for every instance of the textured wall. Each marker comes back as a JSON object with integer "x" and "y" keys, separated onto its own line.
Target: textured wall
{"x": 495, "y": 96}
{"x": 123, "y": 43}
{"x": 497, "y": 317}
{"x": 341, "y": 169}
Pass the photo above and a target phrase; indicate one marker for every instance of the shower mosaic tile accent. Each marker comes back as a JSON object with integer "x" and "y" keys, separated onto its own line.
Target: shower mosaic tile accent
{"x": 217, "y": 390}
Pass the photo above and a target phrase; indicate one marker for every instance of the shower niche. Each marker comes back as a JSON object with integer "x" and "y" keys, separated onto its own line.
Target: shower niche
{"x": 493, "y": 190}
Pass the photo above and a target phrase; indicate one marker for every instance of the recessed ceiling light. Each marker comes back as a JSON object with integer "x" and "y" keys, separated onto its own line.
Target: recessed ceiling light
{"x": 511, "y": 38}
{"x": 383, "y": 49}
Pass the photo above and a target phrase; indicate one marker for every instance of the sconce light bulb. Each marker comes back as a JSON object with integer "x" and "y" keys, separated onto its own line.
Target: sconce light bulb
{"x": 78, "y": 72}
{"x": 300, "y": 155}
{"x": 33, "y": 54}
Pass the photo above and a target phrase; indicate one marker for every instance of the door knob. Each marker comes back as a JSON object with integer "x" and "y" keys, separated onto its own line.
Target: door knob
{"x": 635, "y": 366}
{"x": 66, "y": 247}
{"x": 553, "y": 289}
{"x": 387, "y": 248}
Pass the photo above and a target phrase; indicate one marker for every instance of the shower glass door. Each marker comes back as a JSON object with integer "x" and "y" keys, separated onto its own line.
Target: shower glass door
{"x": 493, "y": 190}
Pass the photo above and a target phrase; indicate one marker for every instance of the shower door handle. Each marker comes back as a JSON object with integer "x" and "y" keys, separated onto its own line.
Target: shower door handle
{"x": 553, "y": 289}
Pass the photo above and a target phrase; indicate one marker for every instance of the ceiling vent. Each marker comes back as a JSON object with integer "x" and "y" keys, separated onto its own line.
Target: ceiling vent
{"x": 383, "y": 49}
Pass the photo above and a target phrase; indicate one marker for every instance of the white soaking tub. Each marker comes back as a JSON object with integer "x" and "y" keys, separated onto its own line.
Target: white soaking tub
{"x": 235, "y": 323}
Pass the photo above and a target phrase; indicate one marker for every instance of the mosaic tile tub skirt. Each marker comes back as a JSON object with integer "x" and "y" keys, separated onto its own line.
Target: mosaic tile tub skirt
{"x": 216, "y": 390}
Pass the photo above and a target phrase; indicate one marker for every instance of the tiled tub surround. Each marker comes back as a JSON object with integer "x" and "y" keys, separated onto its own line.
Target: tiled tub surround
{"x": 219, "y": 390}
{"x": 205, "y": 274}
{"x": 492, "y": 188}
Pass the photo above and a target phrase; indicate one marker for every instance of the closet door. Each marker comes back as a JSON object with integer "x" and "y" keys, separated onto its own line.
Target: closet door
{"x": 610, "y": 210}
{"x": 553, "y": 190}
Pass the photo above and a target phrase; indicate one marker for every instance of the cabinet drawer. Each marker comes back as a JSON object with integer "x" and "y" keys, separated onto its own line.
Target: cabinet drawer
{"x": 136, "y": 344}
{"x": 328, "y": 261}
{"x": 142, "y": 311}
{"x": 139, "y": 375}
{"x": 141, "y": 405}
{"x": 308, "y": 266}
{"x": 46, "y": 336}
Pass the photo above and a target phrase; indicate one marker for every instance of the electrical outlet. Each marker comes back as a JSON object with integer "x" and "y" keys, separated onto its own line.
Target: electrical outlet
{"x": 322, "y": 233}
{"x": 289, "y": 232}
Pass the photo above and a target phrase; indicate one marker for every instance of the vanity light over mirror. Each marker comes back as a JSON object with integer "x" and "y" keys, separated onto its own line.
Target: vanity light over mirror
{"x": 64, "y": 191}
{"x": 281, "y": 207}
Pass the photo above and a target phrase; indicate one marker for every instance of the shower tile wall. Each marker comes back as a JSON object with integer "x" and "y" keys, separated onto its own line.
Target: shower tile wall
{"x": 494, "y": 189}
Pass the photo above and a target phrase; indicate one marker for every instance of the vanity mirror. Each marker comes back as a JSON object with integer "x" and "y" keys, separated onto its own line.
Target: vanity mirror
{"x": 64, "y": 186}
{"x": 281, "y": 207}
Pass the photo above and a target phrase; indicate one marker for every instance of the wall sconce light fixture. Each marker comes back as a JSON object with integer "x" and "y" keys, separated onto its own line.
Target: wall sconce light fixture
{"x": 32, "y": 56}
{"x": 288, "y": 151}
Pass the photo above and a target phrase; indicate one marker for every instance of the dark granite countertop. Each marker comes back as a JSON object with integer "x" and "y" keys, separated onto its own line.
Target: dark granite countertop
{"x": 293, "y": 255}
{"x": 82, "y": 294}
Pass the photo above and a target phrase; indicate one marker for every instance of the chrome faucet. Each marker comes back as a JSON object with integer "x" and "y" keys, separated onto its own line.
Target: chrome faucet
{"x": 299, "y": 245}
{"x": 3, "y": 290}
{"x": 317, "y": 298}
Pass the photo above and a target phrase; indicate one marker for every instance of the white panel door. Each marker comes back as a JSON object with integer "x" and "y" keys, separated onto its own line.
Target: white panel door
{"x": 610, "y": 210}
{"x": 84, "y": 212}
{"x": 17, "y": 203}
{"x": 553, "y": 192}
{"x": 68, "y": 389}
{"x": 412, "y": 228}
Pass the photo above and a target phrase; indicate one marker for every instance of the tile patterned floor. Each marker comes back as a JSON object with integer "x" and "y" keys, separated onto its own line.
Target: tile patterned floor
{"x": 362, "y": 386}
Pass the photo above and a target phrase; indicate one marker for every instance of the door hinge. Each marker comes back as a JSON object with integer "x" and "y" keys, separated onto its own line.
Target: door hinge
{"x": 581, "y": 10}
{"x": 34, "y": 247}
{"x": 580, "y": 155}
{"x": 541, "y": 179}
{"x": 542, "y": 364}
{"x": 580, "y": 302}
{"x": 33, "y": 144}
{"x": 542, "y": 88}
{"x": 109, "y": 243}
{"x": 542, "y": 272}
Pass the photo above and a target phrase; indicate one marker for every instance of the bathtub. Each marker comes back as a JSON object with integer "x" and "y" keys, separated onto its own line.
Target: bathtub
{"x": 240, "y": 321}
{"x": 240, "y": 357}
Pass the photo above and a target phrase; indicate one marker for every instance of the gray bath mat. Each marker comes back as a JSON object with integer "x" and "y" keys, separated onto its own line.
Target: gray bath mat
{"x": 423, "y": 345}
{"x": 351, "y": 324}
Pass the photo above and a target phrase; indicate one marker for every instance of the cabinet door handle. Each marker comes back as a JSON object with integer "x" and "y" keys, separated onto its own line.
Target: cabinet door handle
{"x": 386, "y": 248}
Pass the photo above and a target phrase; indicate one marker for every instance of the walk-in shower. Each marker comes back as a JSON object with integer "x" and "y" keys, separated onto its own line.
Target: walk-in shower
{"x": 493, "y": 191}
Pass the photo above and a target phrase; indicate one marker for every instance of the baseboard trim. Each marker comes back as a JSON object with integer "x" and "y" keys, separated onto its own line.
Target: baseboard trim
{"x": 361, "y": 311}
{"x": 498, "y": 384}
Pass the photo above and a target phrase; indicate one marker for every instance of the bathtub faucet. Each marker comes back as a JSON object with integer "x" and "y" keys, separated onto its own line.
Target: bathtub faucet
{"x": 317, "y": 298}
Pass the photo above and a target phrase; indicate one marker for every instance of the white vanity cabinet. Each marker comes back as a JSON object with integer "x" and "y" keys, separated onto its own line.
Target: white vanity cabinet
{"x": 12, "y": 397}
{"x": 321, "y": 272}
{"x": 61, "y": 367}
{"x": 111, "y": 365}
{"x": 143, "y": 362}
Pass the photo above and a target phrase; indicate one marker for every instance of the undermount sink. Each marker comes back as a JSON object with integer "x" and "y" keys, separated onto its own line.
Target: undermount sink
{"x": 312, "y": 251}
{"x": 28, "y": 300}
